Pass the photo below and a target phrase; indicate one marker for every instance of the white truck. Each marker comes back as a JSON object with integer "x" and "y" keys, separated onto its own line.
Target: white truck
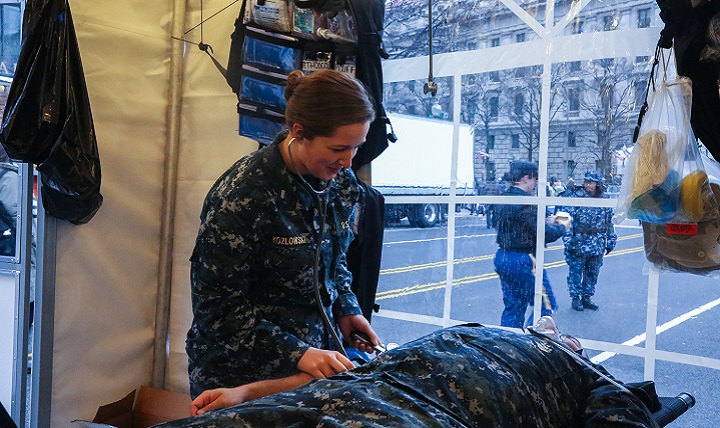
{"x": 419, "y": 164}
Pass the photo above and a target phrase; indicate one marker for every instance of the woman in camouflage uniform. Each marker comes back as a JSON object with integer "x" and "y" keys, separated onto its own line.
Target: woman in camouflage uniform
{"x": 256, "y": 318}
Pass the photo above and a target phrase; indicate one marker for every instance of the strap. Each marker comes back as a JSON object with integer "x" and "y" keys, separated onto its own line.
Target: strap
{"x": 651, "y": 81}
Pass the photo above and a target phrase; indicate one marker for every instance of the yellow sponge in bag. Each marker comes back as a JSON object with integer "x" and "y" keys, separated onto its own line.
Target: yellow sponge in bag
{"x": 691, "y": 195}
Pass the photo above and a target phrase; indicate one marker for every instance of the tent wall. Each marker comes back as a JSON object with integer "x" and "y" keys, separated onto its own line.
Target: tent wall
{"x": 107, "y": 270}
{"x": 209, "y": 145}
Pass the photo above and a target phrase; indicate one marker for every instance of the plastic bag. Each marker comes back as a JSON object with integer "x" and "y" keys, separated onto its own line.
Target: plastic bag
{"x": 271, "y": 14}
{"x": 665, "y": 179}
{"x": 271, "y": 51}
{"x": 692, "y": 247}
{"x": 32, "y": 121}
{"x": 48, "y": 119}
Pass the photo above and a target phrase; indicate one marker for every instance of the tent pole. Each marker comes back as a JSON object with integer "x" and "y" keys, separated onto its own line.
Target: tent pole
{"x": 167, "y": 227}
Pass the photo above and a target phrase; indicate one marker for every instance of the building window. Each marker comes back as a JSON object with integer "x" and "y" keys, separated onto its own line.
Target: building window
{"x": 9, "y": 38}
{"x": 519, "y": 104}
{"x": 575, "y": 66}
{"x": 572, "y": 139}
{"x": 643, "y": 18}
{"x": 607, "y": 62}
{"x": 609, "y": 23}
{"x": 570, "y": 167}
{"x": 640, "y": 93}
{"x": 490, "y": 142}
{"x": 577, "y": 26}
{"x": 607, "y": 96}
{"x": 519, "y": 38}
{"x": 494, "y": 107}
{"x": 573, "y": 100}
{"x": 495, "y": 42}
{"x": 515, "y": 141}
{"x": 642, "y": 59}
{"x": 472, "y": 46}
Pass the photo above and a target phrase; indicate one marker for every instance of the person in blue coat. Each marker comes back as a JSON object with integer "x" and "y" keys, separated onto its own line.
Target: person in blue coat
{"x": 516, "y": 236}
{"x": 591, "y": 237}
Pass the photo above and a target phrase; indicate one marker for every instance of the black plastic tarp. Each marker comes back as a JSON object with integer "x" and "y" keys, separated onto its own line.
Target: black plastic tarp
{"x": 688, "y": 25}
{"x": 48, "y": 120}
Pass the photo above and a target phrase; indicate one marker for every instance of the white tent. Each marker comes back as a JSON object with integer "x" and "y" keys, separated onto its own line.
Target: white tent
{"x": 166, "y": 127}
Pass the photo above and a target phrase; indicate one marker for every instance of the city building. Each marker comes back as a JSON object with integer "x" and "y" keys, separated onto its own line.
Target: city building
{"x": 594, "y": 103}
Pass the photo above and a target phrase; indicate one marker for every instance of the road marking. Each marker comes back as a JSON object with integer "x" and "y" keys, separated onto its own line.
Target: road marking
{"x": 422, "y": 288}
{"x": 444, "y": 238}
{"x": 433, "y": 265}
{"x": 640, "y": 338}
{"x": 415, "y": 241}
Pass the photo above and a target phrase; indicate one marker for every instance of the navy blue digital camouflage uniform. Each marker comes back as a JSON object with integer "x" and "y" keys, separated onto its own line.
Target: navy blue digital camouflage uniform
{"x": 253, "y": 298}
{"x": 462, "y": 376}
{"x": 592, "y": 235}
{"x": 514, "y": 264}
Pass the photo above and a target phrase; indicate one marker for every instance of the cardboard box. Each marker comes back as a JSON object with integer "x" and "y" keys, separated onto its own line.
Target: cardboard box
{"x": 141, "y": 408}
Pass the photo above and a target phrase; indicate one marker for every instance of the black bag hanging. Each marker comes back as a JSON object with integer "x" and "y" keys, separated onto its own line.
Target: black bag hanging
{"x": 369, "y": 17}
{"x": 687, "y": 24}
{"x": 48, "y": 120}
{"x": 31, "y": 122}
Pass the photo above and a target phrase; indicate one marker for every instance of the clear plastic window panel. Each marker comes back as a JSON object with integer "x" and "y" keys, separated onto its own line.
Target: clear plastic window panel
{"x": 688, "y": 309}
{"x": 413, "y": 273}
{"x": 563, "y": 91}
{"x": 701, "y": 382}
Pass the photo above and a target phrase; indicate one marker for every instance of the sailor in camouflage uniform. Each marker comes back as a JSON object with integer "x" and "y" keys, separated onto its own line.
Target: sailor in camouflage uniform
{"x": 256, "y": 316}
{"x": 462, "y": 376}
{"x": 591, "y": 237}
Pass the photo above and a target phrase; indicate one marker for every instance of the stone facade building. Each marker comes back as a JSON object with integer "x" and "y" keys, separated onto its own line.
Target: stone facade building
{"x": 594, "y": 103}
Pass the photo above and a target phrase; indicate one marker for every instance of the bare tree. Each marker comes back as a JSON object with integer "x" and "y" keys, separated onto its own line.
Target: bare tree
{"x": 605, "y": 104}
{"x": 523, "y": 103}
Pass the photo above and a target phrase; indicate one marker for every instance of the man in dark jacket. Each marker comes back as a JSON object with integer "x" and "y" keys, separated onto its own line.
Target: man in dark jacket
{"x": 514, "y": 260}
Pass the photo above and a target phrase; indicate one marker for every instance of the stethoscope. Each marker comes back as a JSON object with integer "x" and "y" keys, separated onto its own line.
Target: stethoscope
{"x": 320, "y": 199}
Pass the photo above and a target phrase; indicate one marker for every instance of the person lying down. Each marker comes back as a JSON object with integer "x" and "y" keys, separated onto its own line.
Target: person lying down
{"x": 462, "y": 376}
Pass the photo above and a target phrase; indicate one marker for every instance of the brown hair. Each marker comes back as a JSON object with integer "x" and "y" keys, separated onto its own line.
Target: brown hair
{"x": 325, "y": 100}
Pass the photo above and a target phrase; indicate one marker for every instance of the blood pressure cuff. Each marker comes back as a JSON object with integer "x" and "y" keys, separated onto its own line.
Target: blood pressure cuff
{"x": 271, "y": 51}
{"x": 258, "y": 123}
{"x": 263, "y": 88}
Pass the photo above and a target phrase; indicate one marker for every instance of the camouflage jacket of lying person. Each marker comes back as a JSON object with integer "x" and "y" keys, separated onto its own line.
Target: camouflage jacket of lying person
{"x": 252, "y": 271}
{"x": 463, "y": 376}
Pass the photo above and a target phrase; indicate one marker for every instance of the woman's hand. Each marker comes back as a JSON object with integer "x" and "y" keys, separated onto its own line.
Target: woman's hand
{"x": 224, "y": 397}
{"x": 350, "y": 323}
{"x": 320, "y": 363}
{"x": 217, "y": 398}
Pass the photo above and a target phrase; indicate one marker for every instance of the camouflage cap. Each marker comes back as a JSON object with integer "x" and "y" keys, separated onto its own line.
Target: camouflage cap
{"x": 594, "y": 176}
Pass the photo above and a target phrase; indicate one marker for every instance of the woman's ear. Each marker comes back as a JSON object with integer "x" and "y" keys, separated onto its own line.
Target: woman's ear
{"x": 297, "y": 131}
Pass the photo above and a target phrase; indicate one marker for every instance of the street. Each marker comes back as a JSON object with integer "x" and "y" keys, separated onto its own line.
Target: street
{"x": 413, "y": 280}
